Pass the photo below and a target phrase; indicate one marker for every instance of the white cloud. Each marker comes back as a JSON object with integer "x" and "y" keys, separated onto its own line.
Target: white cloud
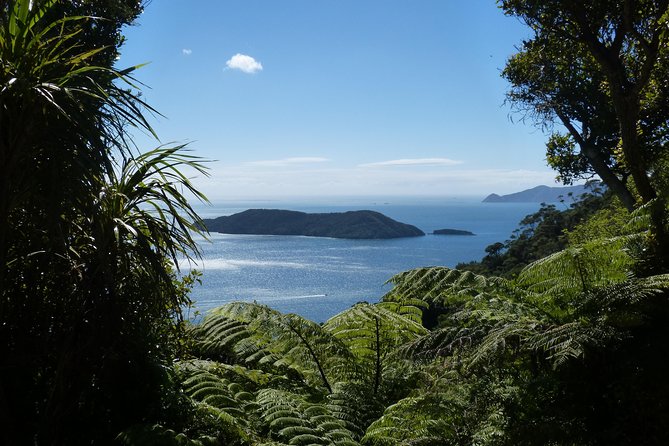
{"x": 244, "y": 63}
{"x": 186, "y": 51}
{"x": 414, "y": 162}
{"x": 288, "y": 161}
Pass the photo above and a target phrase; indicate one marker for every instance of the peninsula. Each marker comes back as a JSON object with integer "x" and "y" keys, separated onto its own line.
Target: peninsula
{"x": 545, "y": 194}
{"x": 349, "y": 225}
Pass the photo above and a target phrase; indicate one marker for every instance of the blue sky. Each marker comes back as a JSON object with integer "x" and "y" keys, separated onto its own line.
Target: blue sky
{"x": 332, "y": 98}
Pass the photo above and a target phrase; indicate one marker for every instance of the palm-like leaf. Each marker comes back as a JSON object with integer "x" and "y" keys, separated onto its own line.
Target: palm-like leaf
{"x": 91, "y": 227}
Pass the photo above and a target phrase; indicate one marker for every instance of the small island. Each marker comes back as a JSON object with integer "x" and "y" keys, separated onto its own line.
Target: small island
{"x": 348, "y": 225}
{"x": 452, "y": 232}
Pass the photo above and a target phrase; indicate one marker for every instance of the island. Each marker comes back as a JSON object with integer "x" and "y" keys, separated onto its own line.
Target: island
{"x": 348, "y": 225}
{"x": 452, "y": 232}
{"x": 546, "y": 194}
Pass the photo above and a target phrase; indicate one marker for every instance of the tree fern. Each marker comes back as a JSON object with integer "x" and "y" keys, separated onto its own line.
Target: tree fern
{"x": 266, "y": 337}
{"x": 578, "y": 269}
{"x": 157, "y": 435}
{"x": 353, "y": 404}
{"x": 296, "y": 421}
{"x": 447, "y": 408}
{"x": 430, "y": 285}
{"x": 372, "y": 333}
{"x": 230, "y": 403}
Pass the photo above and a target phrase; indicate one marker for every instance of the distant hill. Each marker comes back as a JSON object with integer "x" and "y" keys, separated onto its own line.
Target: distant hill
{"x": 543, "y": 194}
{"x": 350, "y": 225}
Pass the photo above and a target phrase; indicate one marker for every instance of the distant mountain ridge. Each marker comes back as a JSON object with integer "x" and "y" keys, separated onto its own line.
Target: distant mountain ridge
{"x": 349, "y": 225}
{"x": 543, "y": 194}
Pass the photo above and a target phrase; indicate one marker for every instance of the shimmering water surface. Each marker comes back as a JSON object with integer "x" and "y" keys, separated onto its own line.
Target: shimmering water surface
{"x": 319, "y": 277}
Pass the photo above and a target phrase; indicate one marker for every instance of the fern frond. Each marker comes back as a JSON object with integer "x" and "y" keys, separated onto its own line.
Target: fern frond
{"x": 157, "y": 435}
{"x": 400, "y": 422}
{"x": 444, "y": 341}
{"x": 293, "y": 419}
{"x": 262, "y": 336}
{"x": 439, "y": 285}
{"x": 354, "y": 405}
{"x": 567, "y": 341}
{"x": 219, "y": 396}
{"x": 218, "y": 335}
{"x": 567, "y": 273}
{"x": 372, "y": 333}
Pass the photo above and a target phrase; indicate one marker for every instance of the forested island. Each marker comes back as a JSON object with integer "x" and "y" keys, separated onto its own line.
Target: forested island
{"x": 452, "y": 232}
{"x": 349, "y": 225}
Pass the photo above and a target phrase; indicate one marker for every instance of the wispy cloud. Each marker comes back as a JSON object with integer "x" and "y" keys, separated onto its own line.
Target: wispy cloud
{"x": 292, "y": 178}
{"x": 244, "y": 63}
{"x": 293, "y": 161}
{"x": 414, "y": 162}
{"x": 186, "y": 51}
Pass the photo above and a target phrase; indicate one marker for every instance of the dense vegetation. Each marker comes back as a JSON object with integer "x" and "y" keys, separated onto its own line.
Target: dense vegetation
{"x": 89, "y": 304}
{"x": 545, "y": 232}
{"x": 568, "y": 348}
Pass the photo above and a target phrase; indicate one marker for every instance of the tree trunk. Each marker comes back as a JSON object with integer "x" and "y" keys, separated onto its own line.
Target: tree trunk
{"x": 600, "y": 166}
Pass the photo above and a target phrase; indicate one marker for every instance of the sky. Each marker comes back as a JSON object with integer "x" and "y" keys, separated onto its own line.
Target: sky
{"x": 326, "y": 98}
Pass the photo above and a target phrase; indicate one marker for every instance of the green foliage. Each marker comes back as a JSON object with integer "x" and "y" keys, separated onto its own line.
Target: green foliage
{"x": 449, "y": 410}
{"x": 596, "y": 68}
{"x": 296, "y": 421}
{"x": 568, "y": 347}
{"x": 372, "y": 333}
{"x": 158, "y": 435}
{"x": 259, "y": 335}
{"x": 319, "y": 384}
{"x": 543, "y": 233}
{"x": 504, "y": 361}
{"x": 90, "y": 303}
{"x": 563, "y": 313}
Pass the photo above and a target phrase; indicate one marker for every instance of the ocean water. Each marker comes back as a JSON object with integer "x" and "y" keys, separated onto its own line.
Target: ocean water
{"x": 319, "y": 277}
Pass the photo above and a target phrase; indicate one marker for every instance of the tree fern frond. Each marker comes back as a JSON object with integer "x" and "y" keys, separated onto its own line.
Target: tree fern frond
{"x": 442, "y": 342}
{"x": 372, "y": 333}
{"x": 215, "y": 391}
{"x": 411, "y": 309}
{"x": 437, "y": 284}
{"x": 567, "y": 341}
{"x": 157, "y": 435}
{"x": 575, "y": 270}
{"x": 623, "y": 304}
{"x": 400, "y": 422}
{"x": 293, "y": 419}
{"x": 270, "y": 339}
{"x": 218, "y": 335}
{"x": 354, "y": 405}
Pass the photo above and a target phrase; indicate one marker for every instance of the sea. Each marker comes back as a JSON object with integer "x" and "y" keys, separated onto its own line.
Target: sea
{"x": 318, "y": 277}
